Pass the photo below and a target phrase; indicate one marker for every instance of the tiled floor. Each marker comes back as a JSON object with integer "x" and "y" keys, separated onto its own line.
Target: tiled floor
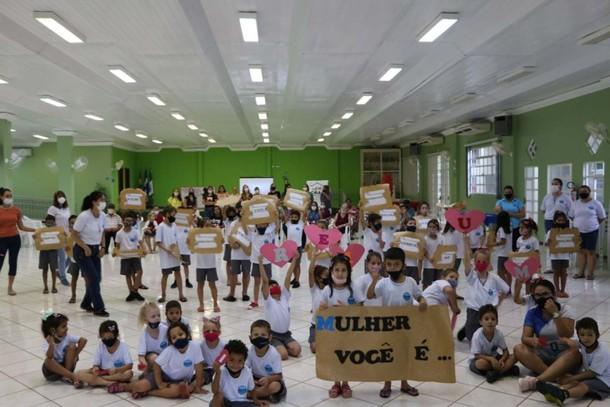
{"x": 22, "y": 384}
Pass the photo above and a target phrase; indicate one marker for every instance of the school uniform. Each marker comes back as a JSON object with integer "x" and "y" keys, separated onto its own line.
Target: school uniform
{"x": 166, "y": 234}
{"x": 106, "y": 360}
{"x": 559, "y": 261}
{"x": 206, "y": 268}
{"x": 316, "y": 297}
{"x": 258, "y": 241}
{"x": 340, "y": 296}
{"x": 209, "y": 356}
{"x": 480, "y": 345}
{"x": 397, "y": 294}
{"x": 435, "y": 293}
{"x": 598, "y": 362}
{"x": 148, "y": 345}
{"x": 277, "y": 313}
{"x": 129, "y": 241}
{"x": 453, "y": 238}
{"x": 235, "y": 389}
{"x": 502, "y": 250}
{"x": 240, "y": 261}
{"x": 371, "y": 241}
{"x": 476, "y": 238}
{"x": 176, "y": 367}
{"x": 362, "y": 284}
{"x": 59, "y": 353}
{"x": 268, "y": 364}
{"x": 227, "y": 227}
{"x": 481, "y": 292}
{"x": 430, "y": 274}
{"x": 530, "y": 244}
{"x": 111, "y": 222}
{"x": 185, "y": 253}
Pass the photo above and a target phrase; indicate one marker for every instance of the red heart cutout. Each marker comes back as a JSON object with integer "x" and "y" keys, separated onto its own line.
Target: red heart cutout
{"x": 354, "y": 251}
{"x": 322, "y": 238}
{"x": 525, "y": 270}
{"x": 279, "y": 255}
{"x": 464, "y": 221}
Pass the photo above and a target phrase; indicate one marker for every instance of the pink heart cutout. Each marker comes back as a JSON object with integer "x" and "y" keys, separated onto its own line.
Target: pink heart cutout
{"x": 464, "y": 221}
{"x": 321, "y": 238}
{"x": 354, "y": 251}
{"x": 526, "y": 270}
{"x": 279, "y": 255}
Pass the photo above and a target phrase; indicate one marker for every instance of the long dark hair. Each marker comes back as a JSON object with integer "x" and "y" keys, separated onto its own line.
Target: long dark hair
{"x": 56, "y": 203}
{"x": 89, "y": 199}
{"x": 503, "y": 222}
{"x": 2, "y": 191}
{"x": 340, "y": 259}
{"x": 51, "y": 322}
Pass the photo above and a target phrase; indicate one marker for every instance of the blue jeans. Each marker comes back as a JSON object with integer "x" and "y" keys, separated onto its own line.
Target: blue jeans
{"x": 62, "y": 263}
{"x": 91, "y": 267}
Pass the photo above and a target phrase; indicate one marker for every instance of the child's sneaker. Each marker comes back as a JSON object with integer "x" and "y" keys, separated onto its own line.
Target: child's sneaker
{"x": 253, "y": 305}
{"x": 188, "y": 284}
{"x": 492, "y": 376}
{"x": 528, "y": 383}
{"x": 138, "y": 296}
{"x": 552, "y": 393}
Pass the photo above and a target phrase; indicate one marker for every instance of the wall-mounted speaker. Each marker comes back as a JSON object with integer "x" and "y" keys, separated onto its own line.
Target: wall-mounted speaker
{"x": 503, "y": 125}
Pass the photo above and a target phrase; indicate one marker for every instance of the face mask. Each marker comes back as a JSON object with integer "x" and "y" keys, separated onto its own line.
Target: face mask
{"x": 508, "y": 196}
{"x": 583, "y": 195}
{"x": 481, "y": 266}
{"x": 555, "y": 188}
{"x": 171, "y": 219}
{"x": 109, "y": 342}
{"x": 181, "y": 343}
{"x": 339, "y": 280}
{"x": 377, "y": 226}
{"x": 261, "y": 230}
{"x": 453, "y": 283}
{"x": 211, "y": 336}
{"x": 394, "y": 275}
{"x": 294, "y": 222}
{"x": 7, "y": 202}
{"x": 128, "y": 223}
{"x": 61, "y": 200}
{"x": 101, "y": 206}
{"x": 275, "y": 290}
{"x": 314, "y": 208}
{"x": 154, "y": 325}
{"x": 541, "y": 301}
{"x": 411, "y": 228}
{"x": 561, "y": 225}
{"x": 110, "y": 211}
{"x": 374, "y": 268}
{"x": 260, "y": 342}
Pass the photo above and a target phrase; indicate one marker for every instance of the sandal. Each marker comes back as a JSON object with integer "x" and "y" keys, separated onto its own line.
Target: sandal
{"x": 115, "y": 388}
{"x": 577, "y": 276}
{"x": 54, "y": 291}
{"x": 45, "y": 291}
{"x": 138, "y": 395}
{"x": 346, "y": 391}
{"x": 411, "y": 391}
{"x": 385, "y": 393}
{"x": 161, "y": 300}
{"x": 334, "y": 391}
{"x": 72, "y": 300}
{"x": 200, "y": 309}
{"x": 183, "y": 299}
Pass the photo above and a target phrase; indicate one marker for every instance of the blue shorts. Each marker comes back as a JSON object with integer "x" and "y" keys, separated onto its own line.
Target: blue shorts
{"x": 588, "y": 241}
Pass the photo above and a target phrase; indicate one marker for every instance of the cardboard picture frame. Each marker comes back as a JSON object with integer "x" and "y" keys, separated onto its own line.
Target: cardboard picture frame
{"x": 374, "y": 197}
{"x": 184, "y": 217}
{"x": 389, "y": 216}
{"x": 297, "y": 199}
{"x": 444, "y": 257}
{"x": 50, "y": 238}
{"x": 411, "y": 243}
{"x": 205, "y": 240}
{"x": 490, "y": 239}
{"x": 230, "y": 200}
{"x": 133, "y": 199}
{"x": 257, "y": 211}
{"x": 564, "y": 240}
{"x": 128, "y": 254}
{"x": 238, "y": 234}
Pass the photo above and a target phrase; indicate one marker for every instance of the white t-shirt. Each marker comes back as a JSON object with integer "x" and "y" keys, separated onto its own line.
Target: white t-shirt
{"x": 527, "y": 245}
{"x": 586, "y": 215}
{"x": 178, "y": 365}
{"x": 277, "y": 313}
{"x": 422, "y": 222}
{"x": 89, "y": 227}
{"x": 597, "y": 361}
{"x": 107, "y": 360}
{"x": 340, "y": 295}
{"x": 259, "y": 240}
{"x": 238, "y": 254}
{"x": 551, "y": 204}
{"x": 269, "y": 364}
{"x": 480, "y": 345}
{"x": 476, "y": 237}
{"x": 556, "y": 256}
{"x": 502, "y": 249}
{"x": 484, "y": 292}
{"x": 60, "y": 348}
{"x": 435, "y": 294}
{"x": 371, "y": 241}
{"x": 387, "y": 233}
{"x": 431, "y": 246}
{"x": 166, "y": 234}
{"x": 396, "y": 294}
{"x": 128, "y": 240}
{"x": 295, "y": 232}
{"x": 206, "y": 261}
{"x": 210, "y": 354}
{"x": 453, "y": 238}
{"x": 149, "y": 344}
{"x": 182, "y": 233}
{"x": 316, "y": 296}
{"x": 112, "y": 221}
{"x": 236, "y": 388}
{"x": 362, "y": 284}
{"x": 62, "y": 216}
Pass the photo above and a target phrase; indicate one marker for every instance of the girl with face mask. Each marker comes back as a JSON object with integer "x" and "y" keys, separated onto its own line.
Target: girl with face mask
{"x": 560, "y": 262}
{"x": 154, "y": 337}
{"x": 588, "y": 214}
{"x": 313, "y": 216}
{"x": 527, "y": 243}
{"x": 373, "y": 237}
{"x": 60, "y": 210}
{"x": 372, "y": 269}
{"x": 169, "y": 253}
{"x": 175, "y": 199}
{"x": 431, "y": 242}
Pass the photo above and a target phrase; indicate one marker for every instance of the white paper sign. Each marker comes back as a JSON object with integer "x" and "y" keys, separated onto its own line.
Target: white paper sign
{"x": 375, "y": 198}
{"x": 409, "y": 244}
{"x": 205, "y": 241}
{"x": 447, "y": 258}
{"x": 388, "y": 215}
{"x": 296, "y": 199}
{"x": 47, "y": 238}
{"x": 259, "y": 210}
{"x": 182, "y": 219}
{"x": 134, "y": 199}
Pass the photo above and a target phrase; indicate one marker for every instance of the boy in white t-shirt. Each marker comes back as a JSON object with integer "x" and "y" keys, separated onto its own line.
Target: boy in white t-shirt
{"x": 168, "y": 252}
{"x": 372, "y": 235}
{"x": 241, "y": 249}
{"x": 560, "y": 262}
{"x": 262, "y": 234}
{"x": 444, "y": 291}
{"x": 128, "y": 239}
{"x": 265, "y": 363}
{"x": 233, "y": 383}
{"x": 206, "y": 271}
{"x": 185, "y": 253}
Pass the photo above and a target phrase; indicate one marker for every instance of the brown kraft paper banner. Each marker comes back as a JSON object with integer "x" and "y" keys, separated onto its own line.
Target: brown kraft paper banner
{"x": 444, "y": 257}
{"x": 373, "y": 344}
{"x": 50, "y": 238}
{"x": 375, "y": 197}
{"x": 411, "y": 243}
{"x": 297, "y": 200}
{"x": 132, "y": 198}
{"x": 205, "y": 240}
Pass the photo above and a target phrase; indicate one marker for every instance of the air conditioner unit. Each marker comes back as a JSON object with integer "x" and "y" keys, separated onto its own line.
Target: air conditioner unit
{"x": 431, "y": 140}
{"x": 470, "y": 129}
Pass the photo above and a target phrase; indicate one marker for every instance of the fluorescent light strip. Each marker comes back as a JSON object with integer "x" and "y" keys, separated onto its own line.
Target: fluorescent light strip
{"x": 264, "y": 126}
{"x": 392, "y": 71}
{"x": 52, "y": 101}
{"x": 177, "y": 116}
{"x": 256, "y": 73}
{"x": 260, "y": 100}
{"x": 141, "y": 135}
{"x": 13, "y": 131}
{"x": 249, "y": 26}
{"x": 262, "y": 116}
{"x": 516, "y": 74}
{"x": 157, "y": 141}
{"x": 211, "y": 140}
{"x": 327, "y": 133}
{"x": 3, "y": 81}
{"x": 192, "y": 126}
{"x": 119, "y": 126}
{"x": 94, "y": 117}
{"x": 364, "y": 99}
{"x": 347, "y": 115}
{"x": 596, "y": 36}
{"x": 156, "y": 99}
{"x": 204, "y": 135}
{"x": 438, "y": 27}
{"x": 265, "y": 134}
{"x": 121, "y": 73}
{"x": 464, "y": 97}
{"x": 39, "y": 137}
{"x": 320, "y": 140}
{"x": 54, "y": 23}
{"x": 335, "y": 126}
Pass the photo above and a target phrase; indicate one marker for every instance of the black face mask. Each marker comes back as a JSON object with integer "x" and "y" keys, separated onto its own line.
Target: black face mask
{"x": 542, "y": 301}
{"x": 109, "y": 342}
{"x": 154, "y": 325}
{"x": 561, "y": 225}
{"x": 294, "y": 222}
{"x": 508, "y": 196}
{"x": 181, "y": 343}
{"x": 377, "y": 226}
{"x": 231, "y": 216}
{"x": 411, "y": 228}
{"x": 260, "y": 342}
{"x": 583, "y": 195}
{"x": 261, "y": 231}
{"x": 394, "y": 275}
{"x": 171, "y": 219}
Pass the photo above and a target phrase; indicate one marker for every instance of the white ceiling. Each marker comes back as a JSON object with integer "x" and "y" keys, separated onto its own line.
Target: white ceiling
{"x": 318, "y": 57}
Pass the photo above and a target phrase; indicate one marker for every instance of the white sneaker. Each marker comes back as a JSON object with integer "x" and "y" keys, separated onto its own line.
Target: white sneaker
{"x": 528, "y": 383}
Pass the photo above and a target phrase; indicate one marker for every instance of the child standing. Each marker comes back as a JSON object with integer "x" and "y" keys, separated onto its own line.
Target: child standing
{"x": 73, "y": 268}
{"x": 206, "y": 271}
{"x": 526, "y": 243}
{"x": 318, "y": 279}
{"x": 503, "y": 244}
{"x": 372, "y": 270}
{"x": 489, "y": 355}
{"x": 112, "y": 224}
{"x": 47, "y": 259}
{"x": 111, "y": 362}
{"x": 264, "y": 233}
{"x": 233, "y": 383}
{"x": 185, "y": 254}
{"x": 396, "y": 290}
{"x": 277, "y": 312}
{"x": 412, "y": 268}
{"x": 128, "y": 239}
{"x": 61, "y": 349}
{"x": 154, "y": 338}
{"x": 432, "y": 241}
{"x": 295, "y": 231}
{"x": 560, "y": 262}
{"x": 211, "y": 346}
{"x": 265, "y": 363}
{"x": 227, "y": 225}
{"x": 452, "y": 238}
{"x": 241, "y": 249}
{"x": 150, "y": 229}
{"x": 423, "y": 217}
{"x": 372, "y": 237}
{"x": 167, "y": 243}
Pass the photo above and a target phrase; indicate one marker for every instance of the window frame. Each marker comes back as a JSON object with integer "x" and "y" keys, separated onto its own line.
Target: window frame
{"x": 587, "y": 179}
{"x": 496, "y": 176}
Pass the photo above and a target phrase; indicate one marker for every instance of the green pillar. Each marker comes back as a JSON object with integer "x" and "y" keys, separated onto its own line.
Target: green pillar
{"x": 65, "y": 176}
{"x": 6, "y": 147}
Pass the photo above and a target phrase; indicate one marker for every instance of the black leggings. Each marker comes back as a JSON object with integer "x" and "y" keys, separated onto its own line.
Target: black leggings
{"x": 11, "y": 245}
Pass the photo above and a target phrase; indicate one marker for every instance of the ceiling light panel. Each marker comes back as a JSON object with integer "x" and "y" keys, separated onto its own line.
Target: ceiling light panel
{"x": 156, "y": 99}
{"x": 256, "y": 73}
{"x": 438, "y": 27}
{"x": 364, "y": 99}
{"x": 249, "y": 26}
{"x": 178, "y": 116}
{"x": 157, "y": 141}
{"x": 62, "y": 29}
{"x": 121, "y": 73}
{"x": 94, "y": 117}
{"x": 260, "y": 100}
{"x": 262, "y": 116}
{"x": 141, "y": 135}
{"x": 39, "y": 137}
{"x": 390, "y": 73}
{"x": 347, "y": 115}
{"x": 121, "y": 127}
{"x": 53, "y": 101}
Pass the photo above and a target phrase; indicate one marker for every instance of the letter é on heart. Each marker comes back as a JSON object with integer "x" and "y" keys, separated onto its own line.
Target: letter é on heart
{"x": 323, "y": 239}
{"x": 465, "y": 222}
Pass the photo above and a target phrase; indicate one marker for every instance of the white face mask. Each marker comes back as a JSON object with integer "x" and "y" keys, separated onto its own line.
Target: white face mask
{"x": 7, "y": 202}
{"x": 61, "y": 200}
{"x": 555, "y": 188}
{"x": 110, "y": 211}
{"x": 339, "y": 280}
{"x": 101, "y": 206}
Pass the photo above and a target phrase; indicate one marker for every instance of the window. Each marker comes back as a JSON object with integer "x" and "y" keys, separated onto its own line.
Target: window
{"x": 531, "y": 193}
{"x": 593, "y": 176}
{"x": 411, "y": 176}
{"x": 561, "y": 171}
{"x": 438, "y": 183}
{"x": 482, "y": 170}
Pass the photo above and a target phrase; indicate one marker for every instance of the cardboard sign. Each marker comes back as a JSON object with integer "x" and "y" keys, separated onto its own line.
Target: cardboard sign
{"x": 133, "y": 198}
{"x": 205, "y": 240}
{"x": 50, "y": 238}
{"x": 128, "y": 254}
{"x": 375, "y": 197}
{"x": 258, "y": 211}
{"x": 384, "y": 343}
{"x": 564, "y": 240}
{"x": 238, "y": 235}
{"x": 390, "y": 216}
{"x": 422, "y": 223}
{"x": 322, "y": 238}
{"x": 279, "y": 255}
{"x": 184, "y": 217}
{"x": 297, "y": 200}
{"x": 411, "y": 243}
{"x": 230, "y": 200}
{"x": 70, "y": 246}
{"x": 464, "y": 221}
{"x": 444, "y": 257}
{"x": 522, "y": 266}
{"x": 354, "y": 251}
{"x": 310, "y": 249}
{"x": 272, "y": 199}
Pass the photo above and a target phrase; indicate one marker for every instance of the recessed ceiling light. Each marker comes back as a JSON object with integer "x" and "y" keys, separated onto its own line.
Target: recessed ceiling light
{"x": 364, "y": 99}
{"x": 256, "y": 73}
{"x": 596, "y": 36}
{"x": 121, "y": 73}
{"x": 177, "y": 116}
{"x": 3, "y": 81}
{"x": 141, "y": 135}
{"x": 157, "y": 141}
{"x": 463, "y": 97}
{"x": 260, "y": 100}
{"x": 155, "y": 99}
{"x": 249, "y": 26}
{"x": 266, "y": 141}
{"x": 327, "y": 133}
{"x": 58, "y": 26}
{"x": 438, "y": 27}
{"x": 347, "y": 115}
{"x": 264, "y": 126}
{"x": 262, "y": 116}
{"x": 121, "y": 127}
{"x": 192, "y": 126}
{"x": 38, "y": 136}
{"x": 53, "y": 101}
{"x": 94, "y": 117}
{"x": 430, "y": 113}
{"x": 516, "y": 74}
{"x": 320, "y": 140}
{"x": 392, "y": 71}
{"x": 13, "y": 130}
{"x": 265, "y": 134}
{"x": 335, "y": 126}
{"x": 204, "y": 135}
{"x": 211, "y": 140}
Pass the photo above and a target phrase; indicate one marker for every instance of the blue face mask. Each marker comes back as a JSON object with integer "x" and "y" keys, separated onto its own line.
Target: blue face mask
{"x": 453, "y": 283}
{"x": 181, "y": 343}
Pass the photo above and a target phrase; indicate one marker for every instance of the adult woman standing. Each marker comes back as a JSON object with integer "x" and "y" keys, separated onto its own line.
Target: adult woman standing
{"x": 326, "y": 199}
{"x": 191, "y": 200}
{"x": 245, "y": 193}
{"x": 88, "y": 234}
{"x": 61, "y": 212}
{"x": 209, "y": 200}
{"x": 11, "y": 221}
{"x": 175, "y": 199}
{"x": 588, "y": 214}
{"x": 515, "y": 209}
